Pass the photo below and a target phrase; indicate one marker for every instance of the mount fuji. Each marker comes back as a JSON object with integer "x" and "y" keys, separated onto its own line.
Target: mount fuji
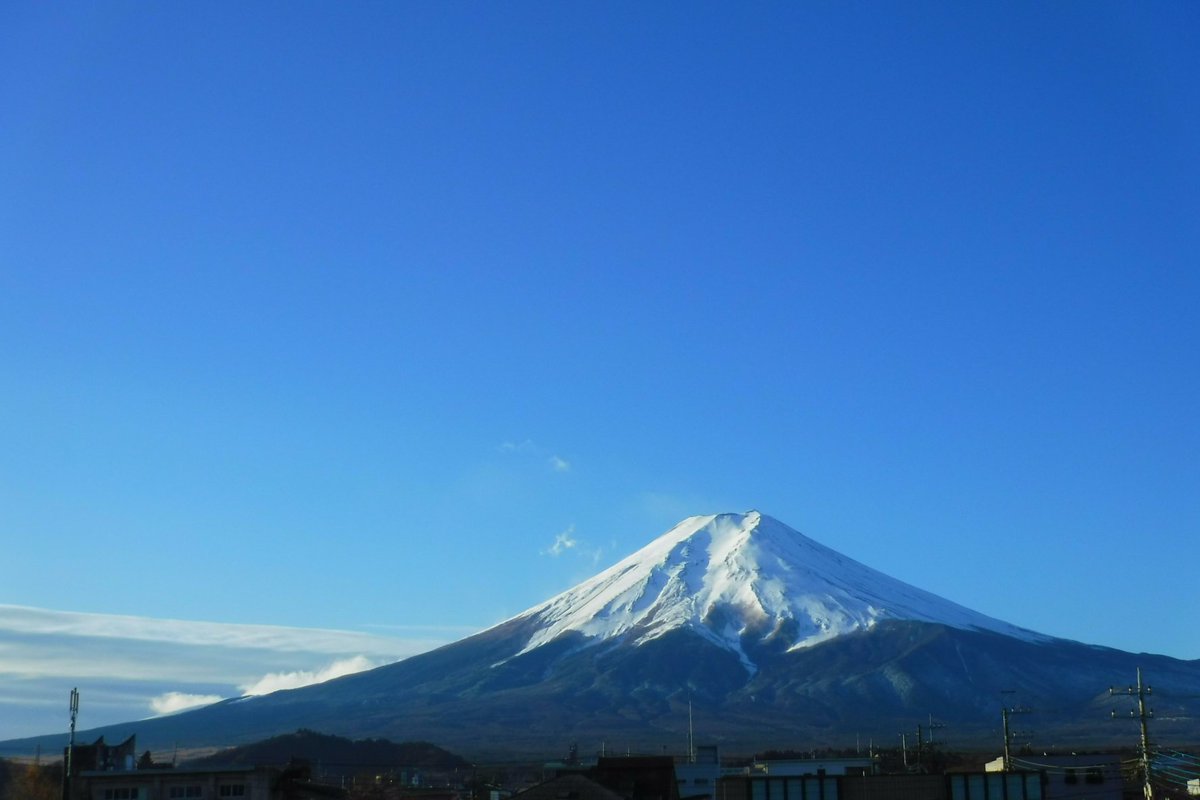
{"x": 764, "y": 637}
{"x": 730, "y": 578}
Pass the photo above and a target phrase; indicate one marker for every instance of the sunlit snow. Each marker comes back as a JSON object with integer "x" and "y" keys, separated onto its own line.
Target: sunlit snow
{"x": 732, "y": 576}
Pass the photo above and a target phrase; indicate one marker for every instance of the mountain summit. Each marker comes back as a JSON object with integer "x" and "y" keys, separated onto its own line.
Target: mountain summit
{"x": 733, "y": 577}
{"x": 761, "y": 636}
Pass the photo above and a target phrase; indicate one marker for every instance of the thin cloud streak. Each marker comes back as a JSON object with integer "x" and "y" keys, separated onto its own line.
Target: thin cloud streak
{"x": 165, "y": 665}
{"x": 528, "y": 447}
{"x": 40, "y": 621}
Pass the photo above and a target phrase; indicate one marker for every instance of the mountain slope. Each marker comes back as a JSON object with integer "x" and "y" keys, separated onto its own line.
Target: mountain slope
{"x": 729, "y": 576}
{"x": 773, "y": 639}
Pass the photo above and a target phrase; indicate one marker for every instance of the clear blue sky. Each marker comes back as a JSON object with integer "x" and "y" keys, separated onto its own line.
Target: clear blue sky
{"x": 325, "y": 314}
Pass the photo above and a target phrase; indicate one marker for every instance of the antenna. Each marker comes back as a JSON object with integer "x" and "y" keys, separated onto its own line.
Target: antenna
{"x": 74, "y": 709}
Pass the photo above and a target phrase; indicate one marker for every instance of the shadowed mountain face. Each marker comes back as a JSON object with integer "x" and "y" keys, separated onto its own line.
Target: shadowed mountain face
{"x": 774, "y": 639}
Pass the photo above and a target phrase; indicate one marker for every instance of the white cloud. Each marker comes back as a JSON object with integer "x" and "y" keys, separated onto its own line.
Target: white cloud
{"x": 562, "y": 542}
{"x": 275, "y": 681}
{"x": 125, "y": 665}
{"x": 170, "y": 702}
{"x": 528, "y": 447}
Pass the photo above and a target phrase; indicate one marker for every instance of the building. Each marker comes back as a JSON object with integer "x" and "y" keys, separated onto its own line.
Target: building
{"x": 954, "y": 786}
{"x": 792, "y": 767}
{"x": 1078, "y": 777}
{"x": 101, "y": 756}
{"x": 223, "y": 783}
{"x": 698, "y": 776}
{"x": 102, "y": 772}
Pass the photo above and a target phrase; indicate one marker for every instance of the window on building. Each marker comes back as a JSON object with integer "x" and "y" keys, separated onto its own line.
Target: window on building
{"x": 121, "y": 793}
{"x": 1093, "y": 775}
{"x": 232, "y": 790}
{"x": 1070, "y": 776}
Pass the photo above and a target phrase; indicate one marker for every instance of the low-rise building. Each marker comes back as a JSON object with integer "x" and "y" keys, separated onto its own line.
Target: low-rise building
{"x": 219, "y": 783}
{"x": 102, "y": 772}
{"x": 789, "y": 767}
{"x": 954, "y": 786}
{"x": 1072, "y": 776}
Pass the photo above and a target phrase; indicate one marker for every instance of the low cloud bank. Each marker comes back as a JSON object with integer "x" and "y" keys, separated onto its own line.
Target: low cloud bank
{"x": 277, "y": 681}
{"x": 170, "y": 702}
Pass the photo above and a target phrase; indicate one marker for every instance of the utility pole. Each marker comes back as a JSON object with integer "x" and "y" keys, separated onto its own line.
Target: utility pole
{"x": 74, "y": 708}
{"x": 691, "y": 736}
{"x": 1141, "y": 691}
{"x": 931, "y": 744}
{"x": 1005, "y": 714}
{"x": 933, "y": 726}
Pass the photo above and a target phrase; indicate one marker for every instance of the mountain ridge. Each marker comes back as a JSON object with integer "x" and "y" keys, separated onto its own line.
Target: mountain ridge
{"x": 724, "y": 575}
{"x": 681, "y": 624}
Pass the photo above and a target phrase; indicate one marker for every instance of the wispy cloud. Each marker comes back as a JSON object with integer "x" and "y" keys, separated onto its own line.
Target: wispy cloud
{"x": 275, "y": 681}
{"x": 170, "y": 702}
{"x": 563, "y": 542}
{"x": 447, "y": 631}
{"x": 164, "y": 664}
{"x": 528, "y": 447}
{"x": 45, "y": 622}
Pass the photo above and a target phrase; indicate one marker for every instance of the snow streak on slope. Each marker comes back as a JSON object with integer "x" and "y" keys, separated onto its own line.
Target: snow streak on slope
{"x": 732, "y": 576}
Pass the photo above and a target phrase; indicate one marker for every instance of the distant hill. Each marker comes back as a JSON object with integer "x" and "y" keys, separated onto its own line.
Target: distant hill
{"x": 336, "y": 753}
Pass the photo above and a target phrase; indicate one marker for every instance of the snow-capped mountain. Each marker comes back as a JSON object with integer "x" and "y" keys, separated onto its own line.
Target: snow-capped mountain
{"x": 768, "y": 638}
{"x": 727, "y": 577}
